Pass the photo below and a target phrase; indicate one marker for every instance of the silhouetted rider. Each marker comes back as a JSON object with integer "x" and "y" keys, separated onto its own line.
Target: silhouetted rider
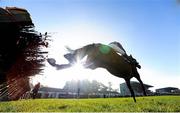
{"x": 35, "y": 90}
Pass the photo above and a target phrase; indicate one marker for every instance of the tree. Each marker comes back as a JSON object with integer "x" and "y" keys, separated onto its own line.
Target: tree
{"x": 110, "y": 86}
{"x": 95, "y": 87}
{"x": 103, "y": 88}
{"x": 86, "y": 87}
{"x": 21, "y": 56}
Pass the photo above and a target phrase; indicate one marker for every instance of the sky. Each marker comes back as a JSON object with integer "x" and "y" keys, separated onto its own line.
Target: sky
{"x": 147, "y": 29}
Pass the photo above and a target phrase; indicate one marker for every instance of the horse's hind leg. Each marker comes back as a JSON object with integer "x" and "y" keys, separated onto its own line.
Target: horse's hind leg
{"x": 130, "y": 89}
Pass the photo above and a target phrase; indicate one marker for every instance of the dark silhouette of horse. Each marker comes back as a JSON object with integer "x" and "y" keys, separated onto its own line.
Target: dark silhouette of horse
{"x": 104, "y": 56}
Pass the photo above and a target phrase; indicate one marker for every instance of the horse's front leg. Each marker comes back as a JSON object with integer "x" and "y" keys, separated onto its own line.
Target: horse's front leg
{"x": 63, "y": 66}
{"x": 52, "y": 62}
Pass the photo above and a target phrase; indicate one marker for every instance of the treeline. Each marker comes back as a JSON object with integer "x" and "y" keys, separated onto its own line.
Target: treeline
{"x": 88, "y": 87}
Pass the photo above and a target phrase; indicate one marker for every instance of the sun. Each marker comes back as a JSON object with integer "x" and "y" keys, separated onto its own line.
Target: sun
{"x": 78, "y": 72}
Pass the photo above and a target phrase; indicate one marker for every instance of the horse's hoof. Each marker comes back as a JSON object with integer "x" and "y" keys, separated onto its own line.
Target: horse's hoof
{"x": 51, "y": 61}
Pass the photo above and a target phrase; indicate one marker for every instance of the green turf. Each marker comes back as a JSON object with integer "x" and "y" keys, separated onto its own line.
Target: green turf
{"x": 143, "y": 104}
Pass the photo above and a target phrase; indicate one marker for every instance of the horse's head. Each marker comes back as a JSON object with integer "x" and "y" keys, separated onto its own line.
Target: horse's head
{"x": 134, "y": 61}
{"x": 71, "y": 57}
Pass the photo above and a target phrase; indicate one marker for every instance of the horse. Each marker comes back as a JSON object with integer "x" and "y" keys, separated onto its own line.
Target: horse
{"x": 104, "y": 56}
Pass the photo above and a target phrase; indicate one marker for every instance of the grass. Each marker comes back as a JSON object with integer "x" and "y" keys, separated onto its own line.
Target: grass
{"x": 143, "y": 104}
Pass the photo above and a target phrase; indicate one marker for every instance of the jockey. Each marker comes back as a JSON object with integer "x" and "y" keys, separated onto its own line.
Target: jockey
{"x": 119, "y": 49}
{"x": 35, "y": 90}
